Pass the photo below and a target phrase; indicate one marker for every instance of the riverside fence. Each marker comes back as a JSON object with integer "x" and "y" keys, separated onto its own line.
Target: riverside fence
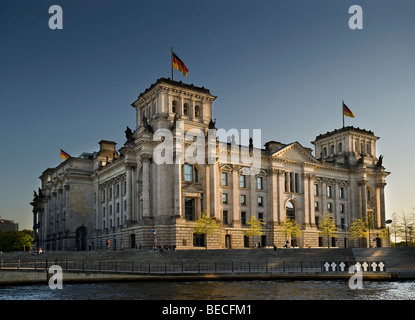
{"x": 192, "y": 267}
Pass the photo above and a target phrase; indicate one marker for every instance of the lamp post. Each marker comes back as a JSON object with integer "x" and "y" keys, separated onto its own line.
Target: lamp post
{"x": 347, "y": 240}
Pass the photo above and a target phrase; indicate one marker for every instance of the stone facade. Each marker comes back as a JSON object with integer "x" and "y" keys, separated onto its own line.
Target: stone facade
{"x": 129, "y": 197}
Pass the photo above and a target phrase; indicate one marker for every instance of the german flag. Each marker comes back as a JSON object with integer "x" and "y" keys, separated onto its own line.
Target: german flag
{"x": 178, "y": 64}
{"x": 347, "y": 112}
{"x": 64, "y": 155}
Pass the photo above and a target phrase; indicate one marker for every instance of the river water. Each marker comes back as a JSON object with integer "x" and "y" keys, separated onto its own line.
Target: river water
{"x": 215, "y": 290}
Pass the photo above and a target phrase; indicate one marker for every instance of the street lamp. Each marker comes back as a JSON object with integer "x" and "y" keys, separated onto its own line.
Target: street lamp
{"x": 347, "y": 240}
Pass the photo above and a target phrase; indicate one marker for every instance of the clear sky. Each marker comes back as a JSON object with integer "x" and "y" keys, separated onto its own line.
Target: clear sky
{"x": 281, "y": 66}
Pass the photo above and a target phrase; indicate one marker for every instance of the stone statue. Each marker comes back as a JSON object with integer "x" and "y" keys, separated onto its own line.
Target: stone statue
{"x": 129, "y": 134}
{"x": 379, "y": 163}
{"x": 212, "y": 124}
{"x": 176, "y": 117}
{"x": 146, "y": 125}
{"x": 40, "y": 192}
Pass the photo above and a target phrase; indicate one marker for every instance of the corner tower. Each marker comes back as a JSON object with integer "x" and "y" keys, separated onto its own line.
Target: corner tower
{"x": 158, "y": 105}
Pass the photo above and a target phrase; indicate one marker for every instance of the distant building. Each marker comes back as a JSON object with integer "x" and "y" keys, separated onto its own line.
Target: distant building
{"x": 125, "y": 197}
{"x": 8, "y": 225}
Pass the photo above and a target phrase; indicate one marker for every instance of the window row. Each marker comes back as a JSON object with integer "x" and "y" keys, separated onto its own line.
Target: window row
{"x": 225, "y": 200}
{"x": 330, "y": 207}
{"x": 186, "y": 109}
{"x": 329, "y": 191}
{"x": 110, "y": 208}
{"x": 107, "y": 194}
{"x": 244, "y": 221}
{"x": 243, "y": 181}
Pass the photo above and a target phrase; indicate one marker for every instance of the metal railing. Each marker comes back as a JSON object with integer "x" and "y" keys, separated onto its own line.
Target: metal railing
{"x": 174, "y": 266}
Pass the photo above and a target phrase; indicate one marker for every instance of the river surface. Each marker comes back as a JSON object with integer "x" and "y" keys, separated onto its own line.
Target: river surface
{"x": 215, "y": 290}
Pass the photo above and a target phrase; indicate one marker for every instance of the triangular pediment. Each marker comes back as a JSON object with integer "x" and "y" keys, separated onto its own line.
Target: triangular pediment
{"x": 193, "y": 188}
{"x": 295, "y": 152}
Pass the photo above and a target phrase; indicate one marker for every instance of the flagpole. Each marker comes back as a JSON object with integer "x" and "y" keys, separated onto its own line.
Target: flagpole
{"x": 343, "y": 112}
{"x": 60, "y": 158}
{"x": 172, "y": 63}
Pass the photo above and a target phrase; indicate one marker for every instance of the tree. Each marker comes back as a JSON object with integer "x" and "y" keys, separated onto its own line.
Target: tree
{"x": 328, "y": 228}
{"x": 15, "y": 240}
{"x": 255, "y": 227}
{"x": 358, "y": 229}
{"x": 406, "y": 226}
{"x": 290, "y": 228}
{"x": 206, "y": 225}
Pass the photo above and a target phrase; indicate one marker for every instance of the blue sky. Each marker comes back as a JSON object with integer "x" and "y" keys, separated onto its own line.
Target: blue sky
{"x": 281, "y": 66}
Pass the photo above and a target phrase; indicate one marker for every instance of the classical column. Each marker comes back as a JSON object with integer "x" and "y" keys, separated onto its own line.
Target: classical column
{"x": 177, "y": 187}
{"x": 128, "y": 190}
{"x": 312, "y": 218}
{"x": 280, "y": 195}
{"x": 306, "y": 199}
{"x": 363, "y": 198}
{"x": 381, "y": 213}
{"x": 146, "y": 185}
{"x": 273, "y": 196}
{"x": 236, "y": 201}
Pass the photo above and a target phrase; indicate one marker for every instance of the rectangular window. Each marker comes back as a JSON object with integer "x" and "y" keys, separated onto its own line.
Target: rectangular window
{"x": 110, "y": 210}
{"x": 110, "y": 193}
{"x": 260, "y": 183}
{"x": 330, "y": 207}
{"x": 224, "y": 178}
{"x": 188, "y": 172}
{"x": 242, "y": 181}
{"x": 224, "y": 198}
{"x": 189, "y": 209}
{"x": 296, "y": 184}
{"x": 316, "y": 206}
{"x": 118, "y": 207}
{"x": 342, "y": 193}
{"x": 316, "y": 189}
{"x": 125, "y": 205}
{"x": 117, "y": 190}
{"x": 330, "y": 191}
{"x": 291, "y": 182}
{"x": 260, "y": 201}
{"x": 243, "y": 200}
{"x": 225, "y": 217}
{"x": 343, "y": 224}
{"x": 243, "y": 218}
{"x": 342, "y": 208}
{"x": 261, "y": 216}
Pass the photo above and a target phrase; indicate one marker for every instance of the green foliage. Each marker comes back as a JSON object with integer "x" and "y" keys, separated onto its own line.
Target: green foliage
{"x": 291, "y": 229}
{"x": 206, "y": 225}
{"x": 255, "y": 227}
{"x": 15, "y": 240}
{"x": 328, "y": 228}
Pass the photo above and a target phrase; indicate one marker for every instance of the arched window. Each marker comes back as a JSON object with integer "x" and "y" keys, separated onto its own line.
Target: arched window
{"x": 340, "y": 147}
{"x": 174, "y": 106}
{"x": 325, "y": 152}
{"x": 290, "y": 210}
{"x": 332, "y": 149}
{"x": 197, "y": 112}
{"x": 368, "y": 149}
{"x": 185, "y": 109}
